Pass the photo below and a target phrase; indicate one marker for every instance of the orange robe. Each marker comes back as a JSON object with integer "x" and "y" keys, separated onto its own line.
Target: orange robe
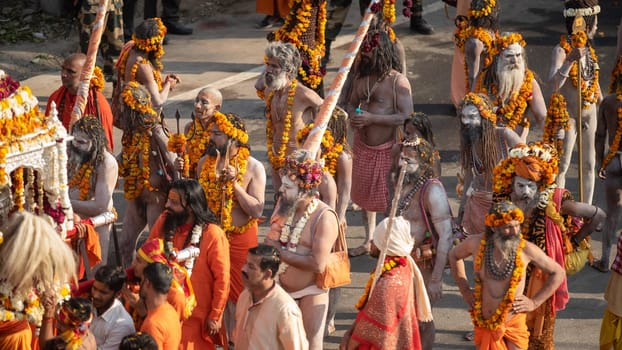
{"x": 513, "y": 331}
{"x": 239, "y": 244}
{"x": 273, "y": 7}
{"x": 15, "y": 335}
{"x": 162, "y": 324}
{"x": 210, "y": 280}
{"x": 67, "y": 100}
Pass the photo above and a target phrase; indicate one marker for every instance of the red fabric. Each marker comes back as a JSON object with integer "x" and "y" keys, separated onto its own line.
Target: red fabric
{"x": 389, "y": 319}
{"x": 555, "y": 250}
{"x": 617, "y": 262}
{"x": 210, "y": 279}
{"x": 239, "y": 244}
{"x": 65, "y": 115}
{"x": 513, "y": 331}
{"x": 370, "y": 167}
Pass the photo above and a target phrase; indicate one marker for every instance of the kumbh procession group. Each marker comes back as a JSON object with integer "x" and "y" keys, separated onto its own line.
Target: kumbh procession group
{"x": 202, "y": 279}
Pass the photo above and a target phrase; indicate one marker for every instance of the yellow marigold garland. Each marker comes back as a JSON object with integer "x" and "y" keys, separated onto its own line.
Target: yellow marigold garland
{"x": 498, "y": 317}
{"x": 296, "y": 25}
{"x": 154, "y": 43}
{"x": 278, "y": 160}
{"x": 156, "y": 73}
{"x": 484, "y": 111}
{"x": 143, "y": 107}
{"x": 615, "y": 144}
{"x": 512, "y": 113}
{"x": 503, "y": 173}
{"x": 390, "y": 262}
{"x": 462, "y": 32}
{"x": 330, "y": 149}
{"x": 388, "y": 11}
{"x": 502, "y": 43}
{"x": 18, "y": 188}
{"x": 197, "y": 145}
{"x": 229, "y": 129}
{"x": 97, "y": 79}
{"x": 219, "y": 193}
{"x": 177, "y": 144}
{"x": 484, "y": 11}
{"x": 135, "y": 178}
{"x": 82, "y": 178}
{"x": 589, "y": 95}
{"x": 557, "y": 118}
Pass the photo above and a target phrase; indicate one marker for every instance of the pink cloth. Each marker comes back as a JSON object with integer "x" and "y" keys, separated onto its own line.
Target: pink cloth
{"x": 555, "y": 249}
{"x": 370, "y": 167}
{"x": 475, "y": 209}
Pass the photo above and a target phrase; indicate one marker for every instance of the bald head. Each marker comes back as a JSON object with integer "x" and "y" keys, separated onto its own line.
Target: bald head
{"x": 70, "y": 71}
{"x": 208, "y": 101}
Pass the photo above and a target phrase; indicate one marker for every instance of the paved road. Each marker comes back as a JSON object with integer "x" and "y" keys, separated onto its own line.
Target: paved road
{"x": 226, "y": 53}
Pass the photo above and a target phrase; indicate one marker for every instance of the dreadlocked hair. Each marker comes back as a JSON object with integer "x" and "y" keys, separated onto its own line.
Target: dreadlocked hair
{"x": 92, "y": 127}
{"x": 488, "y": 148}
{"x": 148, "y": 29}
{"x": 238, "y": 123}
{"x": 385, "y": 57}
{"x": 580, "y": 4}
{"x": 338, "y": 126}
{"x": 422, "y": 123}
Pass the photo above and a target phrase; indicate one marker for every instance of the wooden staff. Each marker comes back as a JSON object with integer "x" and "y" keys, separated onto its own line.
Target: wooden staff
{"x": 314, "y": 140}
{"x": 89, "y": 64}
{"x": 394, "y": 202}
{"x": 579, "y": 25}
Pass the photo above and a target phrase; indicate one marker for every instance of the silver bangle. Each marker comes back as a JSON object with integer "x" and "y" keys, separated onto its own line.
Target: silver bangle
{"x": 559, "y": 71}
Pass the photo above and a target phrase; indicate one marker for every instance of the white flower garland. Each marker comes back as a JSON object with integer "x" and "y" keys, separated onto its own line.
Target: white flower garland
{"x": 590, "y": 11}
{"x": 26, "y": 306}
{"x": 522, "y": 152}
{"x": 546, "y": 196}
{"x": 289, "y": 239}
{"x": 197, "y": 233}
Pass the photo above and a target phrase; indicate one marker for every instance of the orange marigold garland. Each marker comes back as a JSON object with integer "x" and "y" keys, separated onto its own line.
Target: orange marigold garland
{"x": 589, "y": 90}
{"x": 501, "y": 219}
{"x": 197, "y": 144}
{"x": 486, "y": 10}
{"x": 390, "y": 262}
{"x": 296, "y": 27}
{"x": 615, "y": 144}
{"x": 498, "y": 317}
{"x": 18, "y": 188}
{"x": 512, "y": 113}
{"x": 97, "y": 79}
{"x": 330, "y": 150}
{"x": 461, "y": 34}
{"x": 177, "y": 144}
{"x": 482, "y": 107}
{"x": 154, "y": 43}
{"x": 556, "y": 119}
{"x": 277, "y": 160}
{"x": 488, "y": 41}
{"x": 135, "y": 178}
{"x": 504, "y": 172}
{"x": 82, "y": 179}
{"x": 388, "y": 11}
{"x": 143, "y": 107}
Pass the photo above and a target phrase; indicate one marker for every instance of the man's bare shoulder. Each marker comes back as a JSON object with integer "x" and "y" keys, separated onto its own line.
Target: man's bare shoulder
{"x": 109, "y": 162}
{"x": 254, "y": 166}
{"x": 307, "y": 96}
{"x": 610, "y": 103}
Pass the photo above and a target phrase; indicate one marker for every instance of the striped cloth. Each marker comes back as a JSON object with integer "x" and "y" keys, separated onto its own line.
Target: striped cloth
{"x": 617, "y": 263}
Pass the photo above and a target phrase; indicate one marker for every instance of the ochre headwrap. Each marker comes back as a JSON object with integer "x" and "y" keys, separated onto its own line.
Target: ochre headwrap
{"x": 530, "y": 168}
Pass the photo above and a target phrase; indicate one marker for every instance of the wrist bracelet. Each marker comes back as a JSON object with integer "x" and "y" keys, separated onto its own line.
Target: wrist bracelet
{"x": 559, "y": 71}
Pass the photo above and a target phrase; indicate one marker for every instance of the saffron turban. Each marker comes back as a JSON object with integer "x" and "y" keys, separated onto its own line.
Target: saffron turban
{"x": 530, "y": 168}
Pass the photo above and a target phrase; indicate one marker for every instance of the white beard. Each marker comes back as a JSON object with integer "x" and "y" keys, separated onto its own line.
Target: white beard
{"x": 509, "y": 79}
{"x": 278, "y": 82}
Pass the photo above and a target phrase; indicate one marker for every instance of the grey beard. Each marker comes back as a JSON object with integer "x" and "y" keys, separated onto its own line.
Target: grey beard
{"x": 506, "y": 244}
{"x": 509, "y": 80}
{"x": 278, "y": 82}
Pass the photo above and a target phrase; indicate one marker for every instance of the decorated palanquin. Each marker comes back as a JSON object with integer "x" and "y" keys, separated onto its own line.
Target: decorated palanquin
{"x": 33, "y": 157}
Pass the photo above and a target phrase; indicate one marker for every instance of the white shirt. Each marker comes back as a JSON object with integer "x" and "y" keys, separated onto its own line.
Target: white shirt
{"x": 110, "y": 327}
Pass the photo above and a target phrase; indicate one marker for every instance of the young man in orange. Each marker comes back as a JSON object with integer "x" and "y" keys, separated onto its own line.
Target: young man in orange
{"x": 161, "y": 321}
{"x": 187, "y": 226}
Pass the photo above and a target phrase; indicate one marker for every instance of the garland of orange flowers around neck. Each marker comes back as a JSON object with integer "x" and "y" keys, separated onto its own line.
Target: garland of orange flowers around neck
{"x": 488, "y": 40}
{"x": 278, "y": 160}
{"x": 289, "y": 239}
{"x": 134, "y": 179}
{"x": 219, "y": 191}
{"x": 557, "y": 118}
{"x": 498, "y": 317}
{"x": 82, "y": 179}
{"x": 390, "y": 262}
{"x": 512, "y": 112}
{"x": 615, "y": 88}
{"x": 589, "y": 94}
{"x": 197, "y": 145}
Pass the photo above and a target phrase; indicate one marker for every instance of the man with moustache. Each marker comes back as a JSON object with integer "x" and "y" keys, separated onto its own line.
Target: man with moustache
{"x": 235, "y": 185}
{"x": 146, "y": 166}
{"x": 563, "y": 78}
{"x": 267, "y": 317}
{"x": 526, "y": 177}
{"x": 380, "y": 101}
{"x": 92, "y": 173}
{"x": 111, "y": 323}
{"x": 609, "y": 131}
{"x": 513, "y": 87}
{"x": 482, "y": 145}
{"x": 207, "y": 102}
{"x": 423, "y": 202}
{"x": 289, "y": 104}
{"x": 65, "y": 96}
{"x": 161, "y": 321}
{"x": 497, "y": 305}
{"x": 304, "y": 230}
{"x": 191, "y": 231}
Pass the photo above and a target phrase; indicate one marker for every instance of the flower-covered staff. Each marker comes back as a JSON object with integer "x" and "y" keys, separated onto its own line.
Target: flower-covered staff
{"x": 146, "y": 166}
{"x": 192, "y": 237}
{"x": 235, "y": 185}
{"x": 497, "y": 305}
{"x": 305, "y": 230}
{"x": 573, "y": 49}
{"x": 609, "y": 131}
{"x": 527, "y": 178}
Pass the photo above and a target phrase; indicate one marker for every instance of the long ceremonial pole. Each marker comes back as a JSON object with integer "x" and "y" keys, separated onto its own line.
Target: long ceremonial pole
{"x": 89, "y": 64}
{"x": 330, "y": 101}
{"x": 579, "y": 129}
{"x": 394, "y": 202}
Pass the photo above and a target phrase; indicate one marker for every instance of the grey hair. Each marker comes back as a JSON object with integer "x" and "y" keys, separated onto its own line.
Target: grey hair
{"x": 288, "y": 56}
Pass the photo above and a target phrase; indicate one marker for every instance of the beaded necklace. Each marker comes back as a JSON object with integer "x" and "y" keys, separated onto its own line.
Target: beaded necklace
{"x": 404, "y": 203}
{"x": 589, "y": 94}
{"x": 491, "y": 266}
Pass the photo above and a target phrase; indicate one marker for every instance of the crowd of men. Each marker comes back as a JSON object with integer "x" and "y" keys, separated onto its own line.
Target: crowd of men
{"x": 203, "y": 279}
